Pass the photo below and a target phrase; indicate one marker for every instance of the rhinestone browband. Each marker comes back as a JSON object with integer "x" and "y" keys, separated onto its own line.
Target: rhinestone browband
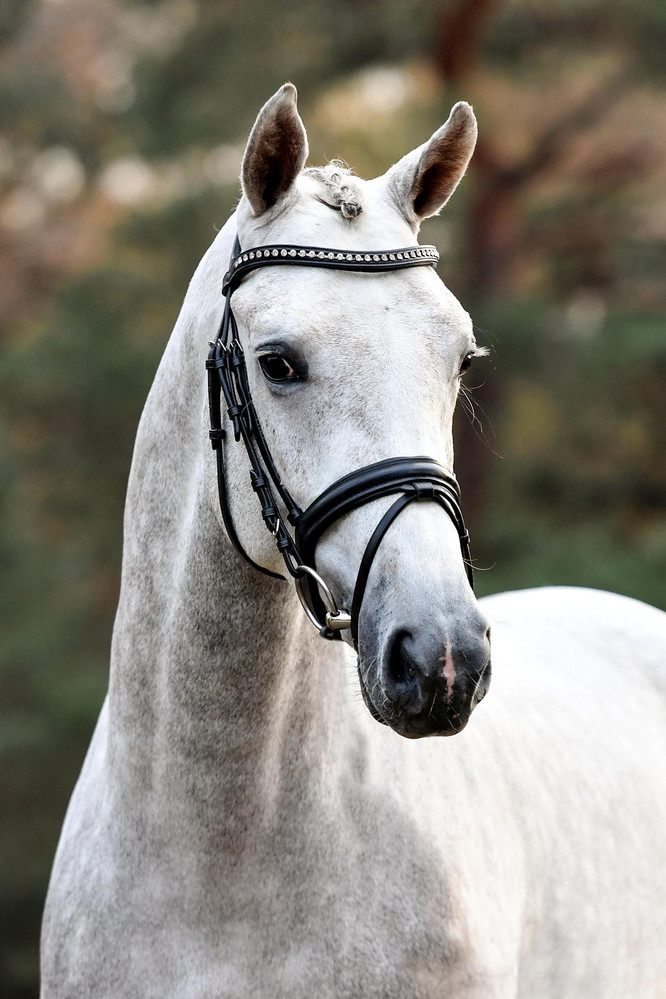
{"x": 346, "y": 260}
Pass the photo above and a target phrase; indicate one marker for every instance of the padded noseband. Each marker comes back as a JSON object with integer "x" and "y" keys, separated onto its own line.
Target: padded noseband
{"x": 412, "y": 478}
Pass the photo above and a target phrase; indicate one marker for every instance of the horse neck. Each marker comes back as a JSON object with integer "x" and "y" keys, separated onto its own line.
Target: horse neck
{"x": 217, "y": 701}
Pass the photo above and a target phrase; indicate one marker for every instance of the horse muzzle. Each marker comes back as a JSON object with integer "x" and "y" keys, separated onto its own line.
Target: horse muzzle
{"x": 426, "y": 683}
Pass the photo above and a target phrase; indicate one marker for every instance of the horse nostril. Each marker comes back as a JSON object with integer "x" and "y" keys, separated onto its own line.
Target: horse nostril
{"x": 401, "y": 668}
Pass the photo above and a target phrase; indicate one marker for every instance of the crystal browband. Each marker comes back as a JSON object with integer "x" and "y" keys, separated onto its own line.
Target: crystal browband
{"x": 346, "y": 260}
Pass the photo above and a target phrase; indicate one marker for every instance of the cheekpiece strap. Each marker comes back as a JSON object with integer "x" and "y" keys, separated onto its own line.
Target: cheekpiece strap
{"x": 315, "y": 256}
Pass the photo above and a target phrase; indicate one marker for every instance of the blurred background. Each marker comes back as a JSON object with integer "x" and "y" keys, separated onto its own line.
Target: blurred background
{"x": 123, "y": 125}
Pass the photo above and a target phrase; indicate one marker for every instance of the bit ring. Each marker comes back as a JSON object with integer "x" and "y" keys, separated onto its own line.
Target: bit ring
{"x": 336, "y": 620}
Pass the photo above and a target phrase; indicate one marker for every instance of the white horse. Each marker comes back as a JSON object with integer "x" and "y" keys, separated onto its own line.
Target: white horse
{"x": 243, "y": 827}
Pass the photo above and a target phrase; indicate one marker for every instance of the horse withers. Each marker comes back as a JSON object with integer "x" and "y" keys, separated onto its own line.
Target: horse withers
{"x": 243, "y": 826}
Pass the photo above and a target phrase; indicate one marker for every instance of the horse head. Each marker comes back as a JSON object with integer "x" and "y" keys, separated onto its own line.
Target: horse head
{"x": 348, "y": 370}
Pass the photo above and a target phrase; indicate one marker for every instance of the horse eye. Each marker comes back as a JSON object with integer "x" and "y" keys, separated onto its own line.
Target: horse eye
{"x": 466, "y": 363}
{"x": 277, "y": 368}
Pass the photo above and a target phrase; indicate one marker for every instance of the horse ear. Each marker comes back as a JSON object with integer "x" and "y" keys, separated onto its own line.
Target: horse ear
{"x": 276, "y": 151}
{"x": 424, "y": 180}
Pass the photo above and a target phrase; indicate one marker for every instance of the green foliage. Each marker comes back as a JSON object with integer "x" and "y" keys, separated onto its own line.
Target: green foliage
{"x": 578, "y": 498}
{"x": 13, "y": 15}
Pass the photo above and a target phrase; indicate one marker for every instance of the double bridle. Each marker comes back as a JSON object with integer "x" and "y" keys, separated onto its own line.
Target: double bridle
{"x": 414, "y": 478}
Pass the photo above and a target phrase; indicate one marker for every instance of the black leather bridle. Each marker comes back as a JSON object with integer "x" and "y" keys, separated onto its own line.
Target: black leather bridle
{"x": 413, "y": 478}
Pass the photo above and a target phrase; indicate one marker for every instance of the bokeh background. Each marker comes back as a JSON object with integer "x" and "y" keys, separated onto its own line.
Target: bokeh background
{"x": 123, "y": 125}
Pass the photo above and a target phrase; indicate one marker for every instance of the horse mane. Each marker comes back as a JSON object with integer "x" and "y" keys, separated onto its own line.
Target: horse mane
{"x": 339, "y": 190}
